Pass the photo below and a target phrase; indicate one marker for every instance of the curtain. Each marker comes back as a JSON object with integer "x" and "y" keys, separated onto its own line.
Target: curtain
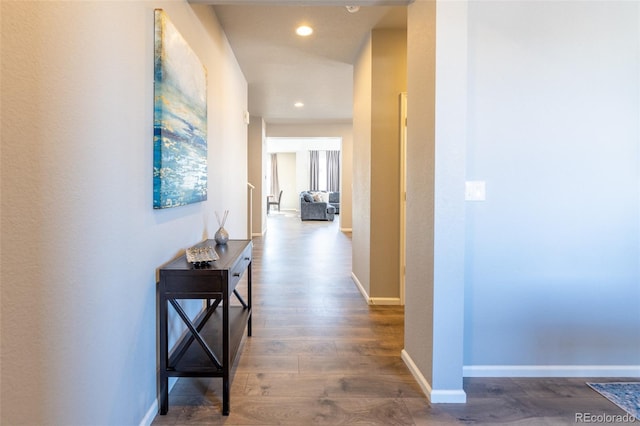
{"x": 314, "y": 170}
{"x": 333, "y": 171}
{"x": 275, "y": 183}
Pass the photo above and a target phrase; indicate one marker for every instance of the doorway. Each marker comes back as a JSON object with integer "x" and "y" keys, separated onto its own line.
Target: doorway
{"x": 293, "y": 165}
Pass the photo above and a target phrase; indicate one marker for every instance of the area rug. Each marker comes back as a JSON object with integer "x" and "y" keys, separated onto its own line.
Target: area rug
{"x": 625, "y": 395}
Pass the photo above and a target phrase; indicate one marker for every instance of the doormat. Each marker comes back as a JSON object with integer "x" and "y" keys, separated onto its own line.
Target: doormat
{"x": 625, "y": 395}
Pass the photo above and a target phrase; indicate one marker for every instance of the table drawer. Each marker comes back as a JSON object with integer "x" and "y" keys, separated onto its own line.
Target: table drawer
{"x": 239, "y": 267}
{"x": 192, "y": 282}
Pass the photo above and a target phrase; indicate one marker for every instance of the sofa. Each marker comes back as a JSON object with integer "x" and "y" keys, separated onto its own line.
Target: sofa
{"x": 334, "y": 200}
{"x": 312, "y": 207}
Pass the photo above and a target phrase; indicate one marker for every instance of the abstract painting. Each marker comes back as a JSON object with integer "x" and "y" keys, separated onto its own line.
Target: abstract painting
{"x": 179, "y": 120}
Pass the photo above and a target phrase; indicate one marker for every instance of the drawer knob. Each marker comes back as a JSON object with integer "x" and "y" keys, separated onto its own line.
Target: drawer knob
{"x": 236, "y": 274}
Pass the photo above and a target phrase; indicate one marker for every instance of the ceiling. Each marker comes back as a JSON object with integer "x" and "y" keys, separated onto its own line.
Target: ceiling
{"x": 283, "y": 68}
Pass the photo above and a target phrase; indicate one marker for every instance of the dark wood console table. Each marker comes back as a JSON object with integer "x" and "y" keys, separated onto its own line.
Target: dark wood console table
{"x": 217, "y": 331}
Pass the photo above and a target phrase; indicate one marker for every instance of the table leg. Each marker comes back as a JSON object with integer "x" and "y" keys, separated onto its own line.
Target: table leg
{"x": 249, "y": 282}
{"x": 164, "y": 356}
{"x": 225, "y": 396}
{"x": 226, "y": 356}
{"x": 164, "y": 396}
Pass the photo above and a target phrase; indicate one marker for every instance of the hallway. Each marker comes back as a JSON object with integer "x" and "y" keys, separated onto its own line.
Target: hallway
{"x": 320, "y": 355}
{"x": 315, "y": 342}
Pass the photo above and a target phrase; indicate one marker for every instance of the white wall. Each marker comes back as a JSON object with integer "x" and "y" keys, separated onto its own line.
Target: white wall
{"x": 287, "y": 180}
{"x": 303, "y": 170}
{"x": 541, "y": 101}
{"x": 80, "y": 241}
{"x": 553, "y": 255}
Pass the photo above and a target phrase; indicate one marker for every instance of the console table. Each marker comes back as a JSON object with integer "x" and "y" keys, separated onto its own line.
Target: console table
{"x": 217, "y": 331}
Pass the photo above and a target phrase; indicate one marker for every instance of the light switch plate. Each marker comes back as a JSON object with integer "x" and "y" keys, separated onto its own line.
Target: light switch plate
{"x": 475, "y": 190}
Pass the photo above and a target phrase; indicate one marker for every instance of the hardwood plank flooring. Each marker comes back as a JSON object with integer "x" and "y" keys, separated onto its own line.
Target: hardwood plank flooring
{"x": 320, "y": 356}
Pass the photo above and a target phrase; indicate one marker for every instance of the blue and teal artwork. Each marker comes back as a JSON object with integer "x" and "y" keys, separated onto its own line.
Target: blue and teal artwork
{"x": 179, "y": 120}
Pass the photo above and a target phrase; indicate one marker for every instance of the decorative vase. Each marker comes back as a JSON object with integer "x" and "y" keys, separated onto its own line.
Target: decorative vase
{"x": 221, "y": 236}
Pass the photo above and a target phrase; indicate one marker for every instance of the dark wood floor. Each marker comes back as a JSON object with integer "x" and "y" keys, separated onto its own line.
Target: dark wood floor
{"x": 320, "y": 355}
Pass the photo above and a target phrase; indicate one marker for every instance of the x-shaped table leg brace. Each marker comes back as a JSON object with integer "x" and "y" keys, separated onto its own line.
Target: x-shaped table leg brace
{"x": 195, "y": 333}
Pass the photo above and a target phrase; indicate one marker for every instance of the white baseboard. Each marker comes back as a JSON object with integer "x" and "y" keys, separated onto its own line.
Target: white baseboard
{"x": 450, "y": 396}
{"x": 384, "y": 301}
{"x": 415, "y": 372}
{"x": 152, "y": 412}
{"x": 374, "y": 300}
{"x": 551, "y": 371}
{"x": 358, "y": 284}
{"x": 259, "y": 234}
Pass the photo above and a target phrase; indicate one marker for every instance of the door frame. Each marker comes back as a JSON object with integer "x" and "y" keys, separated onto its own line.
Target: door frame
{"x": 403, "y": 193}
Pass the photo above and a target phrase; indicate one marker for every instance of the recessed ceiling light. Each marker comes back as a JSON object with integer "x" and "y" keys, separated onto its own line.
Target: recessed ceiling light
{"x": 304, "y": 30}
{"x": 298, "y": 105}
{"x": 353, "y": 9}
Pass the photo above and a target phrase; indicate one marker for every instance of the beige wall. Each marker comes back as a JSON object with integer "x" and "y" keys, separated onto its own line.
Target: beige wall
{"x": 419, "y": 307}
{"x": 379, "y": 78}
{"x": 389, "y": 79}
{"x": 79, "y": 311}
{"x": 257, "y": 173}
{"x": 342, "y": 130}
{"x": 362, "y": 167}
{"x": 287, "y": 166}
